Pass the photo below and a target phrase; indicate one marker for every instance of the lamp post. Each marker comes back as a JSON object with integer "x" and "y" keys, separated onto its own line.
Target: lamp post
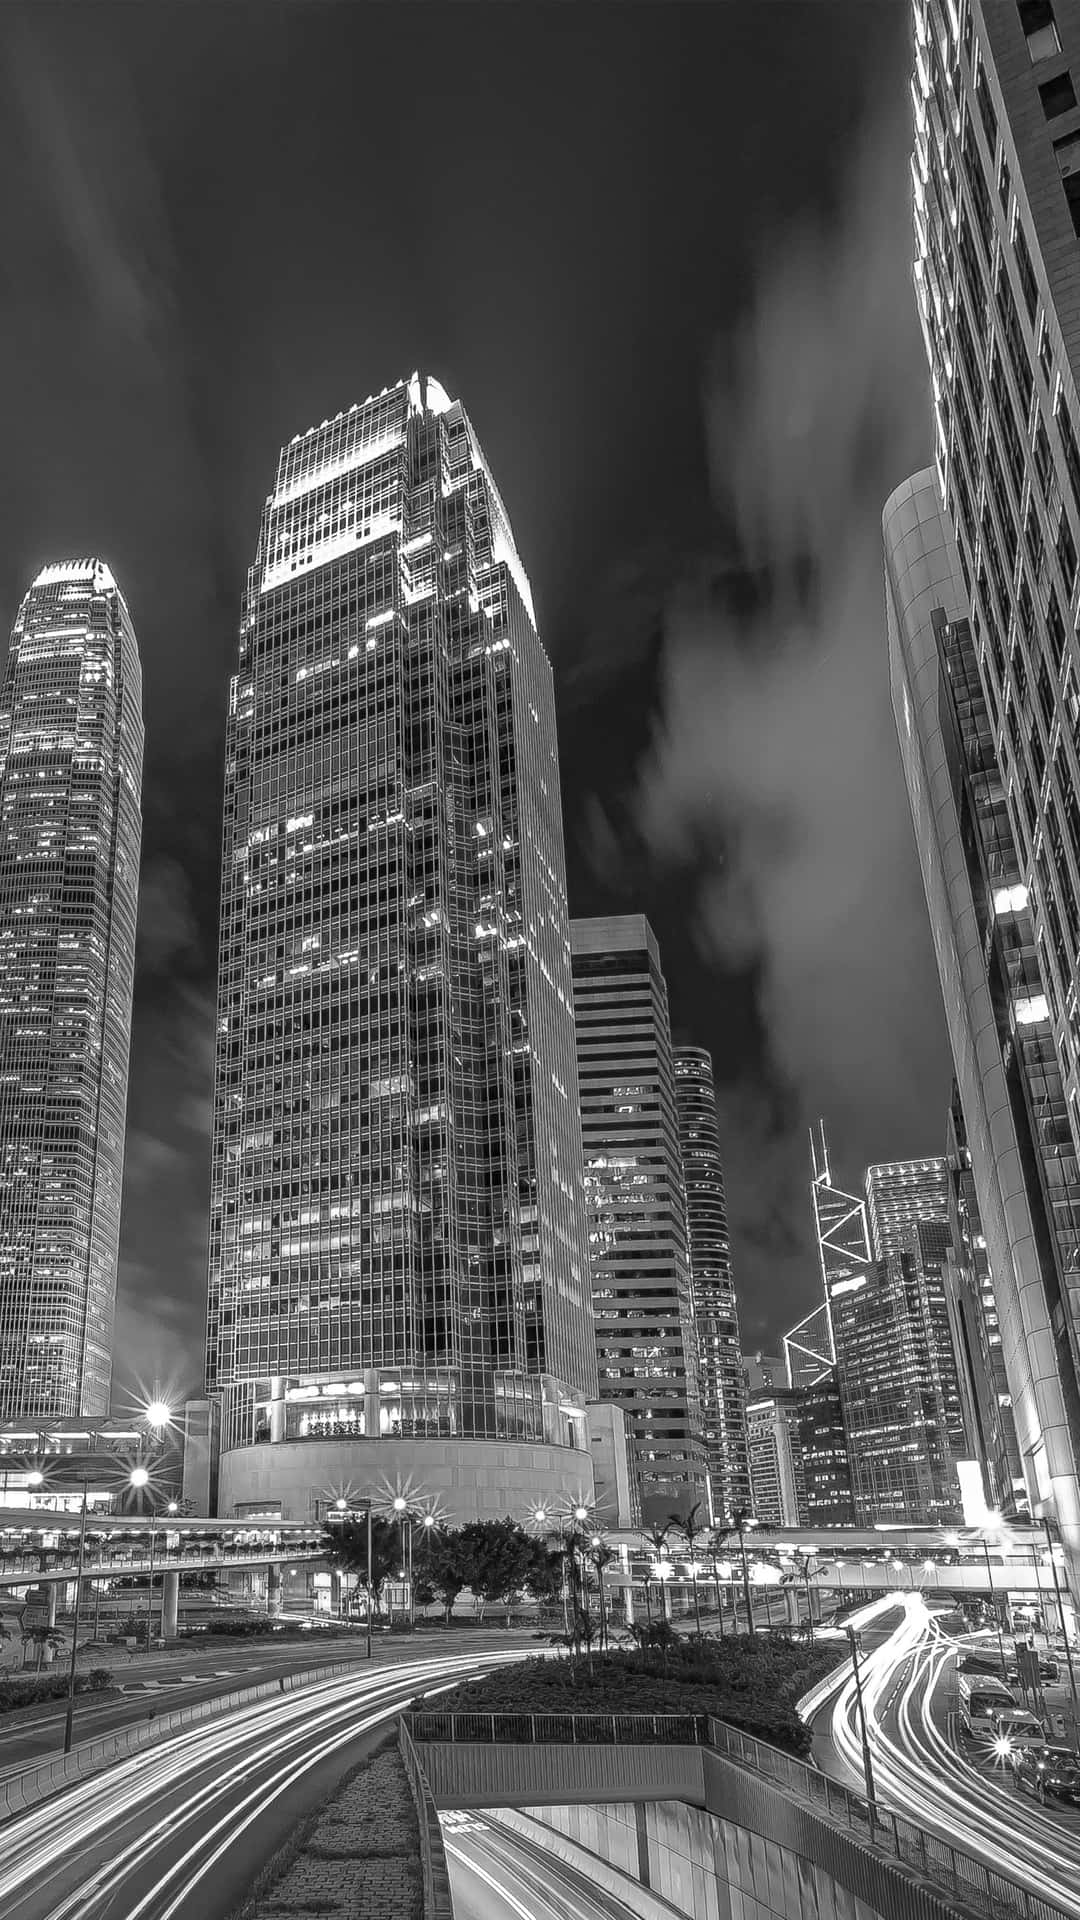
{"x": 70, "y": 1714}
{"x": 743, "y": 1520}
{"x": 717, "y": 1576}
{"x": 868, "y": 1771}
{"x": 400, "y": 1506}
{"x": 601, "y": 1555}
{"x": 341, "y": 1509}
{"x": 140, "y": 1478}
{"x": 985, "y": 1545}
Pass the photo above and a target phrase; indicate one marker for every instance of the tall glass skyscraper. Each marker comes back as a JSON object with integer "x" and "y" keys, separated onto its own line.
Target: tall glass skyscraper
{"x": 716, "y": 1314}
{"x": 642, "y": 1294}
{"x": 901, "y": 1195}
{"x": 1015, "y": 1122}
{"x": 399, "y": 1278}
{"x": 71, "y": 751}
{"x": 997, "y": 273}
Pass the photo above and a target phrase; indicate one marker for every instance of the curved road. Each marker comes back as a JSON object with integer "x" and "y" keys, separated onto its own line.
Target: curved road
{"x": 920, "y": 1774}
{"x": 496, "y": 1874}
{"x": 180, "y": 1832}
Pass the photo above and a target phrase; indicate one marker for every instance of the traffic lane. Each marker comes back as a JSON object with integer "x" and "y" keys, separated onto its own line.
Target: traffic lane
{"x": 157, "y": 1838}
{"x": 496, "y": 1875}
{"x": 30, "y": 1742}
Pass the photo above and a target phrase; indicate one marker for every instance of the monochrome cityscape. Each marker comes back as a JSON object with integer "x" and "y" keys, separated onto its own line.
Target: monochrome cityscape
{"x": 470, "y": 1265}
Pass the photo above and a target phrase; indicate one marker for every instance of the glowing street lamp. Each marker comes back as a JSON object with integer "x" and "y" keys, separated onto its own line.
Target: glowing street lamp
{"x": 158, "y": 1414}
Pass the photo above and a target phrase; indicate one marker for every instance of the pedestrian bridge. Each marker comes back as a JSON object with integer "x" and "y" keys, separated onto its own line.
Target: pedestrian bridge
{"x": 738, "y": 1812}
{"x": 38, "y": 1548}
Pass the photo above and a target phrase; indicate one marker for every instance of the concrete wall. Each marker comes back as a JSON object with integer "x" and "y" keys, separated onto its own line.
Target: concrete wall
{"x": 470, "y": 1479}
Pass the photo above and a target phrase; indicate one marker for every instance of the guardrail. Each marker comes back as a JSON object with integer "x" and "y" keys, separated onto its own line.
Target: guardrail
{"x": 945, "y": 1866}
{"x": 969, "y": 1879}
{"x": 564, "y": 1729}
{"x": 438, "y": 1904}
{"x": 93, "y": 1756}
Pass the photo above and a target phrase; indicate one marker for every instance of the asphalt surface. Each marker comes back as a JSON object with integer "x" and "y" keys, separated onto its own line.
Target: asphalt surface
{"x": 158, "y": 1684}
{"x": 180, "y": 1831}
{"x": 956, "y": 1792}
{"x": 499, "y": 1875}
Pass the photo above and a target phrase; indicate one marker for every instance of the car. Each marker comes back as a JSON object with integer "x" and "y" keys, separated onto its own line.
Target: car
{"x": 1050, "y": 1773}
{"x": 1011, "y": 1729}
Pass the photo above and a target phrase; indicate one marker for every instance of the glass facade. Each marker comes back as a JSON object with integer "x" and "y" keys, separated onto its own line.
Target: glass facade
{"x": 642, "y": 1297}
{"x": 1015, "y": 1119}
{"x": 71, "y": 749}
{"x": 997, "y": 277}
{"x": 716, "y": 1316}
{"x": 843, "y": 1246}
{"x": 900, "y": 1194}
{"x": 398, "y": 1245}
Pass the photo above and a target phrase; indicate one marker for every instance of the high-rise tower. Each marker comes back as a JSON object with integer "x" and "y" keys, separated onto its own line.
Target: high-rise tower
{"x": 645, "y": 1339}
{"x": 399, "y": 1279}
{"x": 1024, "y": 1171}
{"x": 901, "y": 1195}
{"x": 843, "y": 1250}
{"x": 71, "y": 749}
{"x": 716, "y": 1315}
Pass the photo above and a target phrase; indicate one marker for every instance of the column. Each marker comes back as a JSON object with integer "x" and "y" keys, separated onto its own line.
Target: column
{"x": 273, "y": 1589}
{"x": 170, "y": 1605}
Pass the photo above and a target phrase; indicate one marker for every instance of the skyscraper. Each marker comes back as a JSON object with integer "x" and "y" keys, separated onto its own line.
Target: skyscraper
{"x": 71, "y": 748}
{"x": 843, "y": 1249}
{"x": 976, "y": 1329}
{"x": 642, "y": 1300}
{"x": 1016, "y": 1126}
{"x": 775, "y": 1458}
{"x": 716, "y": 1316}
{"x": 997, "y": 274}
{"x": 901, "y": 1194}
{"x": 903, "y": 1463}
{"x": 399, "y": 1278}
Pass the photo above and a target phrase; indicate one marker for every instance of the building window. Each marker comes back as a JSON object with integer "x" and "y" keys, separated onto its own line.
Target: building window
{"x": 1067, "y": 151}
{"x": 1072, "y": 200}
{"x": 1058, "y": 95}
{"x": 1026, "y": 273}
{"x": 986, "y": 109}
{"x": 1040, "y": 29}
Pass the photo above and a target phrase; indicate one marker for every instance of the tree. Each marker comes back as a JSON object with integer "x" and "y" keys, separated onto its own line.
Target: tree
{"x": 347, "y": 1548}
{"x": 687, "y": 1526}
{"x": 545, "y": 1577}
{"x": 446, "y": 1568}
{"x": 44, "y": 1639}
{"x": 497, "y": 1557}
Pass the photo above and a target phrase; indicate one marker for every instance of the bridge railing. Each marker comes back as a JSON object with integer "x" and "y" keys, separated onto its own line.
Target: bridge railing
{"x": 995, "y": 1894}
{"x": 948, "y": 1867}
{"x": 563, "y": 1729}
{"x": 438, "y": 1904}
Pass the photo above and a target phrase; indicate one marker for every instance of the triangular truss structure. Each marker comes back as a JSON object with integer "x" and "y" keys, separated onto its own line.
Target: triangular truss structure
{"x": 843, "y": 1252}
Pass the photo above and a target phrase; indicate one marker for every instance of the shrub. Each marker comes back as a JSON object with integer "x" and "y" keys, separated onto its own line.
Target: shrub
{"x": 27, "y": 1690}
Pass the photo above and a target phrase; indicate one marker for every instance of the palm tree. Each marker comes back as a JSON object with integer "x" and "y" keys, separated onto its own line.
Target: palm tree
{"x": 687, "y": 1526}
{"x": 658, "y": 1538}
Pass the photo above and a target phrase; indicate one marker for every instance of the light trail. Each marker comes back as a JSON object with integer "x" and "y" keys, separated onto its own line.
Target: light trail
{"x": 919, "y": 1775}
{"x": 509, "y": 1865}
{"x": 174, "y": 1810}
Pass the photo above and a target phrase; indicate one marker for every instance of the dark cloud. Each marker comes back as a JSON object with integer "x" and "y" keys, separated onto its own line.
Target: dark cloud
{"x": 774, "y": 766}
{"x": 169, "y": 933}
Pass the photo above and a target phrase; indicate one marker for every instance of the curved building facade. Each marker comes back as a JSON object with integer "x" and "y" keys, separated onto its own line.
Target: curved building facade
{"x": 398, "y": 1249}
{"x": 71, "y": 750}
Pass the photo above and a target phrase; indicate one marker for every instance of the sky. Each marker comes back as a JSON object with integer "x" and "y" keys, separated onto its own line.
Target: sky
{"x": 662, "y": 253}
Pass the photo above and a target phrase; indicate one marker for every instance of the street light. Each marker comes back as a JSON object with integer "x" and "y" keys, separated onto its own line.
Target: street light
{"x": 741, "y": 1521}
{"x": 1064, "y": 1633}
{"x": 868, "y": 1771}
{"x": 70, "y": 1714}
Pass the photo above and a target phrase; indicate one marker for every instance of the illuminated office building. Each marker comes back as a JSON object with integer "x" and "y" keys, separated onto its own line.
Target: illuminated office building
{"x": 399, "y": 1275}
{"x": 976, "y": 1330}
{"x": 997, "y": 277}
{"x": 900, "y": 1195}
{"x": 776, "y": 1478}
{"x": 71, "y": 748}
{"x": 716, "y": 1317}
{"x": 642, "y": 1296}
{"x": 1023, "y": 1169}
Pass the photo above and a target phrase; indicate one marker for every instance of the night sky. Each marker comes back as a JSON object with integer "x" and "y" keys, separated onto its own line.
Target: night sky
{"x": 662, "y": 254}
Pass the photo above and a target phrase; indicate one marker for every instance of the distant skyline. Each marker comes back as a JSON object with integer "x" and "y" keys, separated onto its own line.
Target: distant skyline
{"x": 696, "y": 371}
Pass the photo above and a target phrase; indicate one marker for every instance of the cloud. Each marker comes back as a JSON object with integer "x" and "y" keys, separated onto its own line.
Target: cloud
{"x": 773, "y": 774}
{"x": 168, "y": 924}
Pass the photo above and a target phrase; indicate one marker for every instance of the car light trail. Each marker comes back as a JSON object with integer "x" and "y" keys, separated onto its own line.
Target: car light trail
{"x": 920, "y": 1776}
{"x": 197, "y": 1792}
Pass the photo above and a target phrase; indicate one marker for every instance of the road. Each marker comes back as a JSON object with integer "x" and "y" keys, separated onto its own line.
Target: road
{"x": 499, "y": 1875}
{"x": 162, "y": 1682}
{"x": 180, "y": 1831}
{"x": 958, "y": 1795}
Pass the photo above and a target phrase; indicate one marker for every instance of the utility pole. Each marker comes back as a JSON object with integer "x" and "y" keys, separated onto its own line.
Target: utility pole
{"x": 70, "y": 1715}
{"x": 868, "y": 1771}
